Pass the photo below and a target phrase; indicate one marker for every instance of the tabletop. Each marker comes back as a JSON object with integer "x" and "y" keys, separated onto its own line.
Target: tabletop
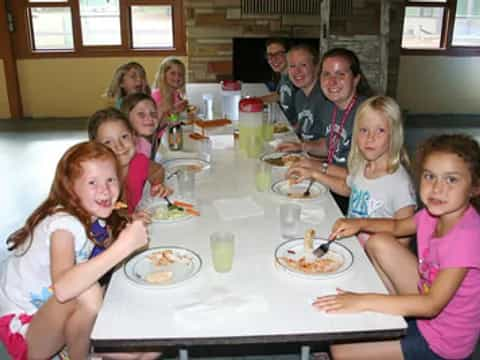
{"x": 257, "y": 301}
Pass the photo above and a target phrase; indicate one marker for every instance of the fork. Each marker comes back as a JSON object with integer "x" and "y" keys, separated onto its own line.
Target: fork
{"x": 307, "y": 191}
{"x": 323, "y": 249}
{"x": 172, "y": 205}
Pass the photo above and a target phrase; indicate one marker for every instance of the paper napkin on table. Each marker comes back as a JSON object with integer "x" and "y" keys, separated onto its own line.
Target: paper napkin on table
{"x": 215, "y": 308}
{"x": 223, "y": 141}
{"x": 237, "y": 208}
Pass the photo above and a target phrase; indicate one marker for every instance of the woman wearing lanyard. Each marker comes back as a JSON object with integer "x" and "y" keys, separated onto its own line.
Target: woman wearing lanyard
{"x": 345, "y": 88}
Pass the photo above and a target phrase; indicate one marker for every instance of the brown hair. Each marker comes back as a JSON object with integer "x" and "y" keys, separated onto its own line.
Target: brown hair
{"x": 115, "y": 89}
{"x": 363, "y": 87}
{"x": 103, "y": 116}
{"x": 62, "y": 197}
{"x": 130, "y": 101}
{"x": 464, "y": 146}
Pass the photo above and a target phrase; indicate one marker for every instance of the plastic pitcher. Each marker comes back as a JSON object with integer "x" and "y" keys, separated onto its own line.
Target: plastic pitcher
{"x": 251, "y": 126}
{"x": 231, "y": 95}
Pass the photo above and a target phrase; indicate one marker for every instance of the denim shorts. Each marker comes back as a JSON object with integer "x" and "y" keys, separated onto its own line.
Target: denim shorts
{"x": 414, "y": 345}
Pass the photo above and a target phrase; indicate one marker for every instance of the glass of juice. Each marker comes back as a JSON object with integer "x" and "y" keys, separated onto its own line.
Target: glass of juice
{"x": 263, "y": 176}
{"x": 268, "y": 120}
{"x": 222, "y": 245}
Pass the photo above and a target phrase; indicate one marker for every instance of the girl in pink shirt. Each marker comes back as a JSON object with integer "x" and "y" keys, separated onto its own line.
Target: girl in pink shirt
{"x": 169, "y": 87}
{"x": 142, "y": 114}
{"x": 439, "y": 289}
{"x": 111, "y": 128}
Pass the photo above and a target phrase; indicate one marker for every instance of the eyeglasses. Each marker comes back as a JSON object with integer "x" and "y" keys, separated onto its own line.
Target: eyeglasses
{"x": 269, "y": 56}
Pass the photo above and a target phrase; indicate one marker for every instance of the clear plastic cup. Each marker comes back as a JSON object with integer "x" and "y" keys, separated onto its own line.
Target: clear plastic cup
{"x": 290, "y": 220}
{"x": 186, "y": 184}
{"x": 222, "y": 245}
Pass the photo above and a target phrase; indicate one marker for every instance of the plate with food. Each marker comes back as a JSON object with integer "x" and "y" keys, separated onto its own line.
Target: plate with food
{"x": 163, "y": 267}
{"x": 281, "y": 159}
{"x": 189, "y": 164}
{"x": 162, "y": 213}
{"x": 293, "y": 191}
{"x": 297, "y": 259}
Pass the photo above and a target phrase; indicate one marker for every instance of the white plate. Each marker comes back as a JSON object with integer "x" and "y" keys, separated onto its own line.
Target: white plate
{"x": 152, "y": 209}
{"x": 173, "y": 165}
{"x": 185, "y": 266}
{"x": 284, "y": 188}
{"x": 294, "y": 250}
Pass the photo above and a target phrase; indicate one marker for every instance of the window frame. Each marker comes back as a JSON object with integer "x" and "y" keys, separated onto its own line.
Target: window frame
{"x": 446, "y": 48}
{"x": 23, "y": 34}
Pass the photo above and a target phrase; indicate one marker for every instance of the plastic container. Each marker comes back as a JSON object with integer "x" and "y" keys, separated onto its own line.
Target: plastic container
{"x": 231, "y": 95}
{"x": 207, "y": 106}
{"x": 251, "y": 126}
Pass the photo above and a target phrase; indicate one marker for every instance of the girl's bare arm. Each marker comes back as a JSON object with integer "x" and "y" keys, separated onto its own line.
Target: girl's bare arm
{"x": 427, "y": 305}
{"x": 396, "y": 227}
{"x": 71, "y": 279}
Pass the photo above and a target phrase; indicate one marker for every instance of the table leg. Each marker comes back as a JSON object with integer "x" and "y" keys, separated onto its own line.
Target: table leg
{"x": 305, "y": 352}
{"x": 182, "y": 354}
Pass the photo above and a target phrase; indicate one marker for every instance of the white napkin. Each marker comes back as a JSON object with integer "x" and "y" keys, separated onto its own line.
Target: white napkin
{"x": 237, "y": 208}
{"x": 222, "y": 141}
{"x": 214, "y": 308}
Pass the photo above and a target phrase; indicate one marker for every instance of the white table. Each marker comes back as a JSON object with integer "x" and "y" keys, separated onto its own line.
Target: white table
{"x": 259, "y": 303}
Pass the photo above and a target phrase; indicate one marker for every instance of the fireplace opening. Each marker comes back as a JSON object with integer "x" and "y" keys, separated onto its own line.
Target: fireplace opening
{"x": 250, "y": 64}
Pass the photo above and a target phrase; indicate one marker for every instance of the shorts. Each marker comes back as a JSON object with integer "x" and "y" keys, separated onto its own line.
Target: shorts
{"x": 363, "y": 238}
{"x": 13, "y": 328}
{"x": 414, "y": 345}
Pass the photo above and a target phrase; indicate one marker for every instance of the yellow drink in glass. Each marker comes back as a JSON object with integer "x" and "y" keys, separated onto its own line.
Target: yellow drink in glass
{"x": 222, "y": 246}
{"x": 268, "y": 131}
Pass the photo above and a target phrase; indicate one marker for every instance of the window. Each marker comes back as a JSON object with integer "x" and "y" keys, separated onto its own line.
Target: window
{"x": 98, "y": 27}
{"x": 447, "y": 27}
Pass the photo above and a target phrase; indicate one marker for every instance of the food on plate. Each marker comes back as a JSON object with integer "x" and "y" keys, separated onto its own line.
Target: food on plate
{"x": 283, "y": 160}
{"x": 275, "y": 161}
{"x": 120, "y": 205}
{"x": 158, "y": 277}
{"x": 167, "y": 257}
{"x": 162, "y": 257}
{"x": 191, "y": 109}
{"x": 280, "y": 128}
{"x": 164, "y": 213}
{"x": 328, "y": 263}
{"x": 189, "y": 167}
{"x": 308, "y": 240}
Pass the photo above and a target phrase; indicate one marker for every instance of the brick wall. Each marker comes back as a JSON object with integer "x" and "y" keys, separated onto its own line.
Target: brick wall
{"x": 211, "y": 26}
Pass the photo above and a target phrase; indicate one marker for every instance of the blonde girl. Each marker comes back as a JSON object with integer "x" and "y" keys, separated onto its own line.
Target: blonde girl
{"x": 375, "y": 165}
{"x": 169, "y": 87}
{"x": 127, "y": 79}
{"x": 111, "y": 128}
{"x": 438, "y": 288}
{"x": 49, "y": 291}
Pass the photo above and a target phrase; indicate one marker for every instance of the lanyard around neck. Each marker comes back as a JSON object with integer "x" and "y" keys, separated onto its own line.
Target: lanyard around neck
{"x": 334, "y": 136}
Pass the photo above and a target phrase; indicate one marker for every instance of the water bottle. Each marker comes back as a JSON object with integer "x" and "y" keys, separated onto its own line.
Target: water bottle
{"x": 175, "y": 134}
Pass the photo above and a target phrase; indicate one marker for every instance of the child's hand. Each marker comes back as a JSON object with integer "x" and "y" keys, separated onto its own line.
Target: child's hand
{"x": 342, "y": 302}
{"x": 180, "y": 106}
{"x": 160, "y": 190}
{"x": 344, "y": 228}
{"x": 289, "y": 147}
{"x": 133, "y": 237}
{"x": 297, "y": 174}
{"x": 142, "y": 215}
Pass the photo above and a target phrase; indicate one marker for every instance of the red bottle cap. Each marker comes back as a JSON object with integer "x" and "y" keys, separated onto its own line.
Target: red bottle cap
{"x": 231, "y": 85}
{"x": 251, "y": 105}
